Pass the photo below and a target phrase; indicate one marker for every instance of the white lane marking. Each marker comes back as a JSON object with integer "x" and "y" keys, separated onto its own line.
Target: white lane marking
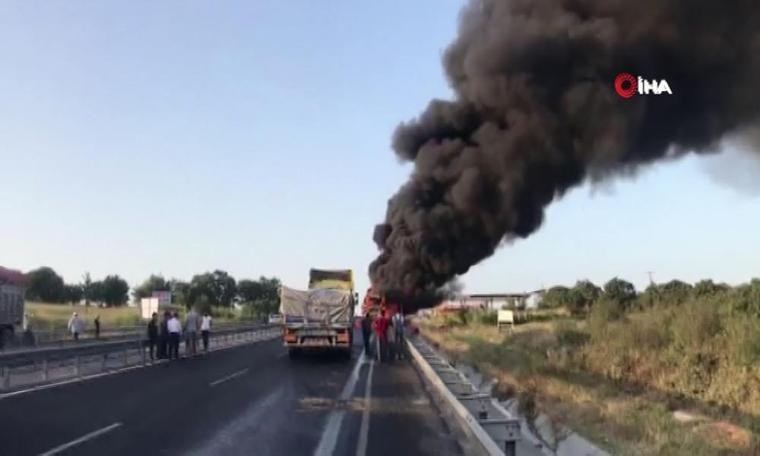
{"x": 361, "y": 447}
{"x": 329, "y": 437}
{"x": 229, "y": 377}
{"x": 82, "y": 439}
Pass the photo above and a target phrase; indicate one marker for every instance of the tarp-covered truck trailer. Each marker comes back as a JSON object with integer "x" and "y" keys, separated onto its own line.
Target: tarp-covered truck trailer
{"x": 11, "y": 304}
{"x": 320, "y": 318}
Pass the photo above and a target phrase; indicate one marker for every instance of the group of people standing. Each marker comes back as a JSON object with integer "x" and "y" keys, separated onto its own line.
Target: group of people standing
{"x": 388, "y": 336}
{"x": 164, "y": 337}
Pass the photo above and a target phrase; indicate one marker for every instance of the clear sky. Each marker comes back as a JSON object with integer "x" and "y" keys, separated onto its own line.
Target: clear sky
{"x": 176, "y": 137}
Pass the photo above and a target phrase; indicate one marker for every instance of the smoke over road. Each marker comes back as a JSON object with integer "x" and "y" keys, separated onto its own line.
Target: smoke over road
{"x": 535, "y": 113}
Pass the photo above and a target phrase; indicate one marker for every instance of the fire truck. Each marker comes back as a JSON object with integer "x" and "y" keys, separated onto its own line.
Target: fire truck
{"x": 375, "y": 302}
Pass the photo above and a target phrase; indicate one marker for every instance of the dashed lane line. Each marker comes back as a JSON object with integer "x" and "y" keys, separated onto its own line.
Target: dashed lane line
{"x": 361, "y": 447}
{"x": 84, "y": 438}
{"x": 229, "y": 377}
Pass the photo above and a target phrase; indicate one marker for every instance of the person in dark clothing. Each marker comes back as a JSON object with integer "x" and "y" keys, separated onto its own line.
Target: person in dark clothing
{"x": 367, "y": 333}
{"x": 153, "y": 335}
{"x": 163, "y": 337}
{"x": 97, "y": 327}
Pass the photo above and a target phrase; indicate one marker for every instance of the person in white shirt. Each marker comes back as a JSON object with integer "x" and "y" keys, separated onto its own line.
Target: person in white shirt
{"x": 175, "y": 331}
{"x": 205, "y": 329}
{"x": 76, "y": 326}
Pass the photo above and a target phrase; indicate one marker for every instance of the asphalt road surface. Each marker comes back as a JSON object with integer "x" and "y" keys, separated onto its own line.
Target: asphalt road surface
{"x": 246, "y": 400}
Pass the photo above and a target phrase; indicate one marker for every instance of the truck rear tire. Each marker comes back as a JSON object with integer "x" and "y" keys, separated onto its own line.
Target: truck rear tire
{"x": 347, "y": 354}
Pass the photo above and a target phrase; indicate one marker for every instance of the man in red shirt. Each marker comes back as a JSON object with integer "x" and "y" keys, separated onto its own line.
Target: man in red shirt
{"x": 380, "y": 325}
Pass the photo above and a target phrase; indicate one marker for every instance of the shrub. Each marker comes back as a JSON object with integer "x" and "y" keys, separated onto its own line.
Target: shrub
{"x": 488, "y": 317}
{"x": 675, "y": 292}
{"x": 568, "y": 334}
{"x": 602, "y": 313}
{"x": 556, "y": 297}
{"x": 747, "y": 298}
{"x": 742, "y": 339}
{"x": 223, "y": 313}
{"x": 707, "y": 288}
{"x": 620, "y": 291}
{"x": 651, "y": 331}
{"x": 127, "y": 320}
{"x": 694, "y": 324}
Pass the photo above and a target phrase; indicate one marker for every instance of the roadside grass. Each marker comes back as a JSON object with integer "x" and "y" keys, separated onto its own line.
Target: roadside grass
{"x": 55, "y": 317}
{"x": 46, "y": 316}
{"x": 618, "y": 383}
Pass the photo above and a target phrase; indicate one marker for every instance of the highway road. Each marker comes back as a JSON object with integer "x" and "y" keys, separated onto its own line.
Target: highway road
{"x": 246, "y": 400}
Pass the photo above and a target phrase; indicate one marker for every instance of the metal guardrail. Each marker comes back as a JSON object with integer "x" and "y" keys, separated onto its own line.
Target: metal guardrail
{"x": 480, "y": 416}
{"x": 61, "y": 337}
{"x": 43, "y": 365}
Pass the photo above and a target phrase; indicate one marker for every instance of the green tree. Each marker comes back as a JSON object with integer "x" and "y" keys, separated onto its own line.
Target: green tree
{"x": 201, "y": 291}
{"x": 557, "y": 296}
{"x": 747, "y": 298}
{"x": 650, "y": 297}
{"x": 94, "y": 292}
{"x": 620, "y": 292}
{"x": 675, "y": 292}
{"x": 114, "y": 290}
{"x": 44, "y": 284}
{"x": 706, "y": 288}
{"x": 180, "y": 291}
{"x": 151, "y": 284}
{"x": 261, "y": 296}
{"x": 87, "y": 290}
{"x": 582, "y": 296}
{"x": 72, "y": 293}
{"x": 249, "y": 290}
{"x": 216, "y": 288}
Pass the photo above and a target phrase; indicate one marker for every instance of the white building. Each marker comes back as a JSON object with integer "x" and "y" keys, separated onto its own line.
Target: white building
{"x": 164, "y": 297}
{"x": 494, "y": 301}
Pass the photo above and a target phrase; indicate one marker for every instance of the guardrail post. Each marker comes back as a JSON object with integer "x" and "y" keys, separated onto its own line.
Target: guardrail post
{"x": 105, "y": 362}
{"x": 142, "y": 351}
{"x": 126, "y": 355}
{"x": 6, "y": 377}
{"x": 510, "y": 448}
{"x": 77, "y": 361}
{"x": 44, "y": 370}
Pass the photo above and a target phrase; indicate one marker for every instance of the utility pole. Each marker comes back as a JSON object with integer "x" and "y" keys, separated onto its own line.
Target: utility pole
{"x": 651, "y": 282}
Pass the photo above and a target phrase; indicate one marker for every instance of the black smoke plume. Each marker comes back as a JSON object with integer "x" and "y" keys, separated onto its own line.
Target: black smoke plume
{"x": 535, "y": 113}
